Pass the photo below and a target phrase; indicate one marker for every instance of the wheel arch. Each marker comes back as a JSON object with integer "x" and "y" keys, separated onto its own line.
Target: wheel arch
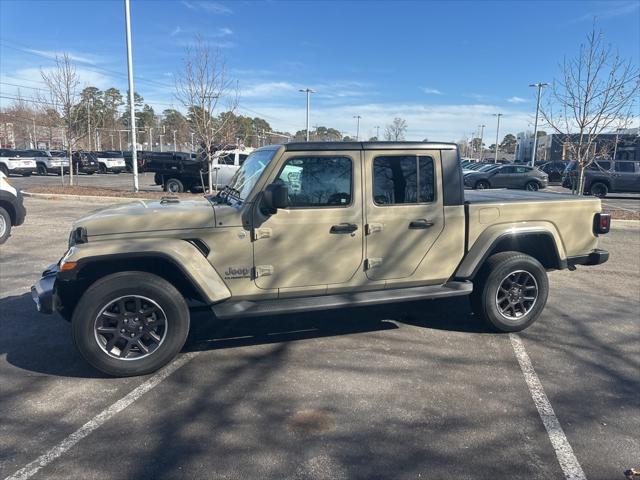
{"x": 10, "y": 208}
{"x": 540, "y": 244}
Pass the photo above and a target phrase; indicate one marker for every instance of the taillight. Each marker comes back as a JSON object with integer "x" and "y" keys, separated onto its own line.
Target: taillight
{"x": 601, "y": 223}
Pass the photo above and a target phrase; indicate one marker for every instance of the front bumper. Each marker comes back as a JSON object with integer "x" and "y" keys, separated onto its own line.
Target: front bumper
{"x": 43, "y": 292}
{"x": 595, "y": 257}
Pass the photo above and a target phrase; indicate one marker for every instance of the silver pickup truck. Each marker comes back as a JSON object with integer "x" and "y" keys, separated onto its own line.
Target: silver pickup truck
{"x": 313, "y": 226}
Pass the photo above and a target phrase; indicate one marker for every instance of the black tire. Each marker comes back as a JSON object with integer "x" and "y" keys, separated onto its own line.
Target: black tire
{"x": 89, "y": 173}
{"x": 157, "y": 179}
{"x": 481, "y": 185}
{"x": 173, "y": 185}
{"x": 4, "y": 169}
{"x": 124, "y": 284}
{"x": 26, "y": 174}
{"x": 5, "y": 225}
{"x": 496, "y": 271}
{"x": 42, "y": 169}
{"x": 116, "y": 172}
{"x": 532, "y": 186}
{"x": 102, "y": 168}
{"x": 599, "y": 189}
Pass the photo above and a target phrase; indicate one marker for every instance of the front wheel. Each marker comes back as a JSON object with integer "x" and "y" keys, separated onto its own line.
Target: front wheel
{"x": 173, "y": 185}
{"x": 482, "y": 185}
{"x": 42, "y": 169}
{"x": 102, "y": 168}
{"x": 130, "y": 323}
{"x": 510, "y": 291}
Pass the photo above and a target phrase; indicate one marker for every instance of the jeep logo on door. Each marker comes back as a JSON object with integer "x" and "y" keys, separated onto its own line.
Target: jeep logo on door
{"x": 237, "y": 272}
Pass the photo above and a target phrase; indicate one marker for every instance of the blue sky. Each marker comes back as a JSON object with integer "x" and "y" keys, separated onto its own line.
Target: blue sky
{"x": 445, "y": 67}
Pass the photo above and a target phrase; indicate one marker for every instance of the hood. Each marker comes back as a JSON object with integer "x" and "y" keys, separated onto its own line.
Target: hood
{"x": 148, "y": 216}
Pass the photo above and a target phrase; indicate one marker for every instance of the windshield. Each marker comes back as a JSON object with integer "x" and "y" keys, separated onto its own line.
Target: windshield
{"x": 248, "y": 174}
{"x": 486, "y": 168}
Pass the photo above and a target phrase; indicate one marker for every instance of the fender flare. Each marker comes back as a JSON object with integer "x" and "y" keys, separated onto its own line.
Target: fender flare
{"x": 181, "y": 254}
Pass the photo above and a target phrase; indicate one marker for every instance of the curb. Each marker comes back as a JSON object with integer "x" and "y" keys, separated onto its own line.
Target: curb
{"x": 63, "y": 196}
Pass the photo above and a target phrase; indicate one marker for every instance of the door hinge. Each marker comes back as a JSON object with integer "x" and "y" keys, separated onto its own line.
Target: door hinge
{"x": 259, "y": 233}
{"x": 263, "y": 270}
{"x": 373, "y": 228}
{"x": 370, "y": 263}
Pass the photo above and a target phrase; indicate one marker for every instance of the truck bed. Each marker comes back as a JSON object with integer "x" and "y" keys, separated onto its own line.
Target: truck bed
{"x": 512, "y": 196}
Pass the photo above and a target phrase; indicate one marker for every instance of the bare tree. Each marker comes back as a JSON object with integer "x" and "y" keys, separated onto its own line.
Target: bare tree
{"x": 203, "y": 87}
{"x": 63, "y": 83}
{"x": 595, "y": 95}
{"x": 395, "y": 131}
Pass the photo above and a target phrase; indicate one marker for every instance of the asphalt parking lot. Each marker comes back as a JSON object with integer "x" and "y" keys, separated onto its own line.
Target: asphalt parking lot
{"x": 416, "y": 390}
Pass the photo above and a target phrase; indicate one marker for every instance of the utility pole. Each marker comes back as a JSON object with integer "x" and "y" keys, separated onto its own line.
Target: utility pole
{"x": 378, "y": 133}
{"x": 539, "y": 86}
{"x": 151, "y": 138}
{"x": 495, "y": 159}
{"x": 175, "y": 147}
{"x": 193, "y": 148}
{"x": 161, "y": 142}
{"x": 89, "y": 122}
{"x": 308, "y": 91}
{"x": 112, "y": 145}
{"x": 357, "y": 117}
{"x": 481, "y": 127}
{"x": 615, "y": 145}
{"x": 134, "y": 153}
{"x": 120, "y": 140}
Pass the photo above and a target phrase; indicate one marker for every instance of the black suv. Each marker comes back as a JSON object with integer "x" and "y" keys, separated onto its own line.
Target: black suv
{"x": 605, "y": 176}
{"x": 85, "y": 162}
{"x": 554, "y": 169}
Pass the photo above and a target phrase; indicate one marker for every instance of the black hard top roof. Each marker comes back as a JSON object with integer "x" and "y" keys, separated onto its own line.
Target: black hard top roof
{"x": 329, "y": 146}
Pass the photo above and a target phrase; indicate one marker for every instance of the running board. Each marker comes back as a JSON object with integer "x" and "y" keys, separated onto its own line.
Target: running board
{"x": 245, "y": 308}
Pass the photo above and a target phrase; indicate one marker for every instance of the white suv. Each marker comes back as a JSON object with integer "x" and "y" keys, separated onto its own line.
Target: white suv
{"x": 16, "y": 162}
{"x": 111, "y": 162}
{"x": 12, "y": 211}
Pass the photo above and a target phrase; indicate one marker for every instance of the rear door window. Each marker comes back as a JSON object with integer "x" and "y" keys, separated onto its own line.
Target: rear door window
{"x": 625, "y": 167}
{"x": 401, "y": 180}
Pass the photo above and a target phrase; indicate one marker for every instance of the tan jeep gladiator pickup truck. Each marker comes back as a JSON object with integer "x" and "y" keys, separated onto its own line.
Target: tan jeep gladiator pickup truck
{"x": 313, "y": 226}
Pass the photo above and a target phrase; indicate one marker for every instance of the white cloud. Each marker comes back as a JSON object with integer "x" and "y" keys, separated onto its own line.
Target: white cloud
{"x": 431, "y": 91}
{"x": 268, "y": 89}
{"x": 225, "y": 31}
{"x": 52, "y": 54}
{"x": 176, "y": 31}
{"x": 87, "y": 77}
{"x": 436, "y": 122}
{"x": 517, "y": 100}
{"x": 208, "y": 7}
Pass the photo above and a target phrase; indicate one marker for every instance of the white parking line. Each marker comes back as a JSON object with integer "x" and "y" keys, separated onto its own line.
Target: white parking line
{"x": 32, "y": 468}
{"x": 568, "y": 461}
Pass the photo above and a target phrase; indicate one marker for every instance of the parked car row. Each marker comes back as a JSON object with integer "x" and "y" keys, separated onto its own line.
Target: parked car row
{"x": 479, "y": 175}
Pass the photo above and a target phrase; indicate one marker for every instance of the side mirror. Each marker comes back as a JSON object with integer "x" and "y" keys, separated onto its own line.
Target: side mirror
{"x": 275, "y": 196}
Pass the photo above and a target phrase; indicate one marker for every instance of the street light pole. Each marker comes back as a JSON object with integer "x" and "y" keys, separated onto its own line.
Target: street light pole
{"x": 132, "y": 114}
{"x": 308, "y": 91}
{"x": 175, "y": 147}
{"x": 539, "y": 86}
{"x": 357, "y": 117}
{"x": 481, "y": 127}
{"x": 495, "y": 160}
{"x": 193, "y": 149}
{"x": 378, "y": 133}
{"x": 615, "y": 146}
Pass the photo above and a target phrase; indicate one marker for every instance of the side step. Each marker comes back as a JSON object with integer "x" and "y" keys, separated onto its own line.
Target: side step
{"x": 245, "y": 308}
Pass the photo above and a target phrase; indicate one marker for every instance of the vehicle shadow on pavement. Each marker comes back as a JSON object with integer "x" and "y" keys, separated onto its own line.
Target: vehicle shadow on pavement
{"x": 209, "y": 333}
{"x": 42, "y": 343}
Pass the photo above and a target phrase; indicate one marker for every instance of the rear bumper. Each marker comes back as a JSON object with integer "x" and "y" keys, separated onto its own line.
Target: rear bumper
{"x": 596, "y": 257}
{"x": 22, "y": 170}
{"x": 43, "y": 292}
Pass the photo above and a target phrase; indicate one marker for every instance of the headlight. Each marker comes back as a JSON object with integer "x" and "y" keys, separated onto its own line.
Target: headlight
{"x": 77, "y": 236}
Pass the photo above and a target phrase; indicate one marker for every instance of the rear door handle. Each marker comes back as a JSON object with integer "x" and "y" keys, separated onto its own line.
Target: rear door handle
{"x": 344, "y": 228}
{"x": 420, "y": 224}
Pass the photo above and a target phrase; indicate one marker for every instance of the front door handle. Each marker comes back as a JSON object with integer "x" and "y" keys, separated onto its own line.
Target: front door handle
{"x": 420, "y": 224}
{"x": 344, "y": 228}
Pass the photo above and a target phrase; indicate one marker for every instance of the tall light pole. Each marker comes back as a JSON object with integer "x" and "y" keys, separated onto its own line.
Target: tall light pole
{"x": 161, "y": 141}
{"x": 539, "y": 86}
{"x": 495, "y": 160}
{"x": 615, "y": 145}
{"x": 481, "y": 127}
{"x": 378, "y": 133}
{"x": 132, "y": 113}
{"x": 308, "y": 91}
{"x": 175, "y": 147}
{"x": 357, "y": 117}
{"x": 193, "y": 148}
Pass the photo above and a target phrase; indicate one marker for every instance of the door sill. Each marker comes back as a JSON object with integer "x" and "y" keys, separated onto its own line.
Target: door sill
{"x": 245, "y": 308}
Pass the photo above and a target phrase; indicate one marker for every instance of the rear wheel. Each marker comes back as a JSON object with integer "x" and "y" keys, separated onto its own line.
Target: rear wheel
{"x": 5, "y": 225}
{"x": 42, "y": 169}
{"x": 130, "y": 323}
{"x": 102, "y": 168}
{"x": 599, "y": 189}
{"x": 173, "y": 185}
{"x": 482, "y": 185}
{"x": 510, "y": 291}
{"x": 532, "y": 186}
